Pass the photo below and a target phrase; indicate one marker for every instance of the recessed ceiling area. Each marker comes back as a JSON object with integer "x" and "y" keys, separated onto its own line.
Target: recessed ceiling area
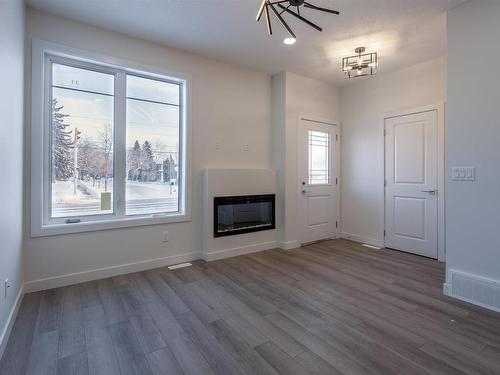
{"x": 403, "y": 33}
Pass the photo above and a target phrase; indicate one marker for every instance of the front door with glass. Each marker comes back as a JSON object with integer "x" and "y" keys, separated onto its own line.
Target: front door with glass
{"x": 318, "y": 193}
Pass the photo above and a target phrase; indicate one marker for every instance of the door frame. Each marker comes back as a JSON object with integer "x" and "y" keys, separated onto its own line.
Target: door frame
{"x": 335, "y": 156}
{"x": 441, "y": 148}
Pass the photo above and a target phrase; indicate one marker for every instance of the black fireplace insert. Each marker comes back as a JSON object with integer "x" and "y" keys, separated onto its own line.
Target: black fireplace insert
{"x": 243, "y": 214}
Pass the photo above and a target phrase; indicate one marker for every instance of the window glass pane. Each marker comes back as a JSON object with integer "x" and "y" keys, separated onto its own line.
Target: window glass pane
{"x": 319, "y": 158}
{"x": 148, "y": 89}
{"x": 81, "y": 145}
{"x": 152, "y": 156}
{"x": 82, "y": 79}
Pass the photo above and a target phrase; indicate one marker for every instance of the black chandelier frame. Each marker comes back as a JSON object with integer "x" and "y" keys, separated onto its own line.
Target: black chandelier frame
{"x": 279, "y": 7}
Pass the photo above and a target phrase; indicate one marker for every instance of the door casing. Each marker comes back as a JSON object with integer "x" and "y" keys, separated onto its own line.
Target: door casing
{"x": 439, "y": 108}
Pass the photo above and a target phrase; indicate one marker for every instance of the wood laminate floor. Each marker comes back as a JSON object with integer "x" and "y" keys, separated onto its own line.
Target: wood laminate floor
{"x": 329, "y": 308}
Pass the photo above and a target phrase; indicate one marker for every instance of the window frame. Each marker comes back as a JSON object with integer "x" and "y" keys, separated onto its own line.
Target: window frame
{"x": 43, "y": 55}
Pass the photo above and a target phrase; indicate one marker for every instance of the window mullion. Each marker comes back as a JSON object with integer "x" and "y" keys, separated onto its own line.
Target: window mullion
{"x": 120, "y": 167}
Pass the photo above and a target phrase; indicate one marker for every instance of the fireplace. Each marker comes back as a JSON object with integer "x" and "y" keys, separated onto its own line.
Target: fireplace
{"x": 243, "y": 214}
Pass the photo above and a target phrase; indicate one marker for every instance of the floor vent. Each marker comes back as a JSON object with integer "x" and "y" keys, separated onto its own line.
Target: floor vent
{"x": 180, "y": 265}
{"x": 371, "y": 246}
{"x": 474, "y": 289}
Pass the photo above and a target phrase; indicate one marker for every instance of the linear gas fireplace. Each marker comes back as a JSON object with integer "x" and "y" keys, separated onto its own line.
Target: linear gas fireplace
{"x": 243, "y": 214}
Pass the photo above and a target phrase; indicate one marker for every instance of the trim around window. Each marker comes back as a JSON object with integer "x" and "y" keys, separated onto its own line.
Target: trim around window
{"x": 43, "y": 54}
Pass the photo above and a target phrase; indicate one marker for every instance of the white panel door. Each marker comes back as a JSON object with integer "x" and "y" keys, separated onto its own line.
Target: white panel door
{"x": 317, "y": 154}
{"x": 411, "y": 183}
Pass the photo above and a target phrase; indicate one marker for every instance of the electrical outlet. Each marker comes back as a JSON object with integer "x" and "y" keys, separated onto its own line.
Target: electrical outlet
{"x": 246, "y": 148}
{"x": 6, "y": 287}
{"x": 165, "y": 236}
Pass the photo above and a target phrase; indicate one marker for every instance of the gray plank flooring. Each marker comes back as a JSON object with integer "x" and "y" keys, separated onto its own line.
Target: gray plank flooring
{"x": 332, "y": 307}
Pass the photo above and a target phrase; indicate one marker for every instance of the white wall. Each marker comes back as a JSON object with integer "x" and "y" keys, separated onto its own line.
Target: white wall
{"x": 473, "y": 139}
{"x": 230, "y": 105}
{"x": 301, "y": 96}
{"x": 362, "y": 171}
{"x": 11, "y": 146}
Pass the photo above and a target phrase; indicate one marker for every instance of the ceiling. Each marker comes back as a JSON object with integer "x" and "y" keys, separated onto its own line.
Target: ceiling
{"x": 403, "y": 32}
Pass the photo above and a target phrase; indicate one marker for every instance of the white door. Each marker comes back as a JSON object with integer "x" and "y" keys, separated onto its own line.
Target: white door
{"x": 411, "y": 183}
{"x": 318, "y": 171}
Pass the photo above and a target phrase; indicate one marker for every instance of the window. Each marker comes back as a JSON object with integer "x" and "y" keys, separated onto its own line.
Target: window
{"x": 319, "y": 158}
{"x": 111, "y": 149}
{"x": 81, "y": 137}
{"x": 152, "y": 146}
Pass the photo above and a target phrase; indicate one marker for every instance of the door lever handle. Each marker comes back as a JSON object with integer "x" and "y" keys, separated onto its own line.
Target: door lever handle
{"x": 429, "y": 191}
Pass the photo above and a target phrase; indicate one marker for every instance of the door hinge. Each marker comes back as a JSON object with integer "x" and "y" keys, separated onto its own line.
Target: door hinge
{"x": 384, "y": 232}
{"x": 336, "y": 137}
{"x": 336, "y": 181}
{"x": 336, "y": 224}
{"x": 385, "y": 182}
{"x": 385, "y": 132}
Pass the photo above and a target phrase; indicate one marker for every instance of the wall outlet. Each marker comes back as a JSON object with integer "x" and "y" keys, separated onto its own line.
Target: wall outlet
{"x": 246, "y": 147}
{"x": 6, "y": 288}
{"x": 164, "y": 237}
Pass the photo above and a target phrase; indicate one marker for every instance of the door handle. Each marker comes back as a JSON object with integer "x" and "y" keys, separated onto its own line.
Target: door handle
{"x": 305, "y": 192}
{"x": 429, "y": 191}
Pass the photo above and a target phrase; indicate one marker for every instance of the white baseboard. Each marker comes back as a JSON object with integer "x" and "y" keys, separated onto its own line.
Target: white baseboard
{"x": 473, "y": 289}
{"x": 241, "y": 250}
{"x": 101, "y": 273}
{"x": 10, "y": 321}
{"x": 362, "y": 239}
{"x": 288, "y": 245}
{"x": 446, "y": 289}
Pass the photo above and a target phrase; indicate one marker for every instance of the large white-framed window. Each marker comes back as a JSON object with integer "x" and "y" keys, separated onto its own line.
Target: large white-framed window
{"x": 109, "y": 143}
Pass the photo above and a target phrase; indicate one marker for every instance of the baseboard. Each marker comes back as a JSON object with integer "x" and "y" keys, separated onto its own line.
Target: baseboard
{"x": 446, "y": 289}
{"x": 10, "y": 321}
{"x": 241, "y": 250}
{"x": 362, "y": 239}
{"x": 473, "y": 289}
{"x": 288, "y": 245}
{"x": 101, "y": 273}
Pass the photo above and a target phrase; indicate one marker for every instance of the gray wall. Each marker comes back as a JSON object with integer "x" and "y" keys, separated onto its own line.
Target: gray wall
{"x": 473, "y": 138}
{"x": 11, "y": 154}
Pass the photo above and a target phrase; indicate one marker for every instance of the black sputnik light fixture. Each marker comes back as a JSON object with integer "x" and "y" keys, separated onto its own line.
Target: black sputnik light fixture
{"x": 278, "y": 7}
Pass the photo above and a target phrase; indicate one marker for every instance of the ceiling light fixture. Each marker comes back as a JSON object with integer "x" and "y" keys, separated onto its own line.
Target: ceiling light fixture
{"x": 365, "y": 64}
{"x": 292, "y": 7}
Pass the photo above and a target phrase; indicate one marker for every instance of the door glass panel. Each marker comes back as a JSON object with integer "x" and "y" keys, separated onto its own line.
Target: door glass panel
{"x": 319, "y": 158}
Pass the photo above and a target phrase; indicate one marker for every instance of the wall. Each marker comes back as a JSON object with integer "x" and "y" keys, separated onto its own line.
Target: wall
{"x": 473, "y": 139}
{"x": 229, "y": 105}
{"x": 300, "y": 96}
{"x": 362, "y": 107}
{"x": 11, "y": 146}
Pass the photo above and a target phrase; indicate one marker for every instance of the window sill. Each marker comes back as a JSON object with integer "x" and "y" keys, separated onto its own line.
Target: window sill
{"x": 93, "y": 226}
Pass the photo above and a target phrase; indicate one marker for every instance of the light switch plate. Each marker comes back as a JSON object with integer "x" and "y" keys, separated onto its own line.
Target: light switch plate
{"x": 463, "y": 173}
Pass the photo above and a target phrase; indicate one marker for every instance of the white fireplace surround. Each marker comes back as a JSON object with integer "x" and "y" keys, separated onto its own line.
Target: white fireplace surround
{"x": 235, "y": 182}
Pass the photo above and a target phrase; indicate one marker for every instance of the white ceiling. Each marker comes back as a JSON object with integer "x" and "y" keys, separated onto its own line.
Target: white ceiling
{"x": 403, "y": 32}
